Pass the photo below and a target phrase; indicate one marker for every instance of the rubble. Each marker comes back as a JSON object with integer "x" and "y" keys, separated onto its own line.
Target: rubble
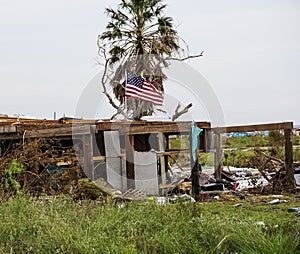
{"x": 277, "y": 201}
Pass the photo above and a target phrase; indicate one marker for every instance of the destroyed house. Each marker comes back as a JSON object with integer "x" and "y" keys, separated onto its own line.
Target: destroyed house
{"x": 128, "y": 155}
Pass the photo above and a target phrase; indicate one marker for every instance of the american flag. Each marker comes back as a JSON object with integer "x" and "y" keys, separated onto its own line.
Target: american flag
{"x": 140, "y": 88}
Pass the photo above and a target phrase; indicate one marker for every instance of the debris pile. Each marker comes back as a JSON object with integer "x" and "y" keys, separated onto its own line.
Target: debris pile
{"x": 45, "y": 168}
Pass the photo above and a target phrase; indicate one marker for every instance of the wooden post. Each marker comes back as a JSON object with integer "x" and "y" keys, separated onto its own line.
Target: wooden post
{"x": 162, "y": 157}
{"x": 218, "y": 156}
{"x": 289, "y": 169}
{"x": 88, "y": 163}
{"x": 195, "y": 179}
{"x": 129, "y": 146}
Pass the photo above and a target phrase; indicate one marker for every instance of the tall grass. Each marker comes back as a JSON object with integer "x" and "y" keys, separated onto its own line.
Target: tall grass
{"x": 64, "y": 226}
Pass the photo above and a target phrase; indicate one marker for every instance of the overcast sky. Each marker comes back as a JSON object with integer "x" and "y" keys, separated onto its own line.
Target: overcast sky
{"x": 251, "y": 55}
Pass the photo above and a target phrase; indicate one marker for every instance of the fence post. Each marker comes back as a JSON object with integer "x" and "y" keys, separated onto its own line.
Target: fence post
{"x": 289, "y": 169}
{"x": 218, "y": 156}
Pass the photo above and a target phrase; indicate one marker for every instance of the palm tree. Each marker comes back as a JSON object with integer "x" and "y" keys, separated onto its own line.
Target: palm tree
{"x": 138, "y": 37}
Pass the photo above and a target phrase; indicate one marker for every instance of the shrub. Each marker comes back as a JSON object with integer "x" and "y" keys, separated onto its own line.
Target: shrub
{"x": 14, "y": 168}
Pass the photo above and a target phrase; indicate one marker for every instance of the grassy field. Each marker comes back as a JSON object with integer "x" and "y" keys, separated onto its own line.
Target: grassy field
{"x": 61, "y": 225}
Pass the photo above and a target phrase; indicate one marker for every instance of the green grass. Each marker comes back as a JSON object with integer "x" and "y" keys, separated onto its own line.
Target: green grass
{"x": 243, "y": 142}
{"x": 179, "y": 143}
{"x": 206, "y": 159}
{"x": 238, "y": 158}
{"x": 64, "y": 226}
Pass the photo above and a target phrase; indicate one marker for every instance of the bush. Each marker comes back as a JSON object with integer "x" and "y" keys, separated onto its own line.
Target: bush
{"x": 9, "y": 178}
{"x": 238, "y": 158}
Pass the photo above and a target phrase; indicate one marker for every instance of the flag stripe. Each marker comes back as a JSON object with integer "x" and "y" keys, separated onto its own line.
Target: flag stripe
{"x": 142, "y": 92}
{"x": 139, "y": 98}
{"x": 145, "y": 99}
{"x": 134, "y": 91}
{"x": 147, "y": 92}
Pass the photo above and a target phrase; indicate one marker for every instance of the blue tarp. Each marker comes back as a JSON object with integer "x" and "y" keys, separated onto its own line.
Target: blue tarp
{"x": 195, "y": 134}
{"x": 237, "y": 134}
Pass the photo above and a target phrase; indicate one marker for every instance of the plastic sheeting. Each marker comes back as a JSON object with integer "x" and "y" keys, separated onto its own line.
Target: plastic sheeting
{"x": 195, "y": 134}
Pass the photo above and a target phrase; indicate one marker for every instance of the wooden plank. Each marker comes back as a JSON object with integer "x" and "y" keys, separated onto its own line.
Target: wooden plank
{"x": 143, "y": 127}
{"x": 58, "y": 132}
{"x": 103, "y": 126}
{"x": 162, "y": 157}
{"x": 203, "y": 125}
{"x": 50, "y": 128}
{"x": 218, "y": 156}
{"x": 148, "y": 127}
{"x": 256, "y": 127}
{"x": 178, "y": 150}
{"x": 167, "y": 186}
{"x": 41, "y": 128}
{"x": 172, "y": 152}
{"x": 10, "y": 136}
{"x": 8, "y": 129}
{"x": 99, "y": 158}
{"x": 289, "y": 157}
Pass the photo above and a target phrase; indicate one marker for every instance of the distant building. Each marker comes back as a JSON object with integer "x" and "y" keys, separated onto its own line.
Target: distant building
{"x": 296, "y": 131}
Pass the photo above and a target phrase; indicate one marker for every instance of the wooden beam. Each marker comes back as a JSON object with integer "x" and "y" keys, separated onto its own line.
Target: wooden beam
{"x": 171, "y": 153}
{"x": 143, "y": 127}
{"x": 10, "y": 136}
{"x": 47, "y": 128}
{"x": 8, "y": 129}
{"x": 289, "y": 158}
{"x": 58, "y": 132}
{"x": 67, "y": 131}
{"x": 203, "y": 125}
{"x": 99, "y": 158}
{"x": 166, "y": 128}
{"x": 256, "y": 127}
{"x": 218, "y": 156}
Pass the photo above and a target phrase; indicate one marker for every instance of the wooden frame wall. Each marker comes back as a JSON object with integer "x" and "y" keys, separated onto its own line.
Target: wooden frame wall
{"x": 286, "y": 126}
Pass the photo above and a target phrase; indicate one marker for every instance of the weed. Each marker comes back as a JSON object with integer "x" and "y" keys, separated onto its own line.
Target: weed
{"x": 14, "y": 168}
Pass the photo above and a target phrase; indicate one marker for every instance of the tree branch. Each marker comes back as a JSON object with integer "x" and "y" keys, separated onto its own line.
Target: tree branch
{"x": 271, "y": 157}
{"x": 104, "y": 80}
{"x": 183, "y": 111}
{"x": 185, "y": 58}
{"x": 161, "y": 110}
